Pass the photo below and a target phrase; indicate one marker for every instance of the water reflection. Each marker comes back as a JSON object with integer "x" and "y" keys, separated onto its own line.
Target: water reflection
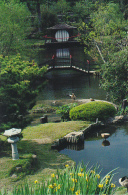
{"x": 76, "y": 147}
{"x": 105, "y": 143}
{"x": 114, "y": 155}
{"x": 60, "y": 84}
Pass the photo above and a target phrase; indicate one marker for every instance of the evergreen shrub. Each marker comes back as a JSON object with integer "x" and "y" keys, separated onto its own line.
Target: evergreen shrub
{"x": 93, "y": 110}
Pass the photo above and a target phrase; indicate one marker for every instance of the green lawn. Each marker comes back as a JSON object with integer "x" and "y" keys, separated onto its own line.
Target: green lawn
{"x": 36, "y": 140}
{"x": 53, "y": 131}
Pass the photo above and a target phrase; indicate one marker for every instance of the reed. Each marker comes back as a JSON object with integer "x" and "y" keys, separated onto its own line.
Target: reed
{"x": 73, "y": 180}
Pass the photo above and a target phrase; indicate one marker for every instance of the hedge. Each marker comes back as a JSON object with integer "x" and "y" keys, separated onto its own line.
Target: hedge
{"x": 93, "y": 110}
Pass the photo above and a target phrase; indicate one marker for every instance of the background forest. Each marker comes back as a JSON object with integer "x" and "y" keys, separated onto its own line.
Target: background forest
{"x": 103, "y": 29}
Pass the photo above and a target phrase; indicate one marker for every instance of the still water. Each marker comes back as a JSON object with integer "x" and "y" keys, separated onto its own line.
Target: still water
{"x": 109, "y": 155}
{"x": 62, "y": 84}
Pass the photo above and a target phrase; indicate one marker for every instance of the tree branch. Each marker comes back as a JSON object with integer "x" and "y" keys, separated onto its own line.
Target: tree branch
{"x": 99, "y": 51}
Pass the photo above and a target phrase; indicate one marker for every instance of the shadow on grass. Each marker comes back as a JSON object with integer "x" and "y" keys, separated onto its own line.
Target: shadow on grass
{"x": 46, "y": 157}
{"x": 36, "y": 161}
{"x": 5, "y": 149}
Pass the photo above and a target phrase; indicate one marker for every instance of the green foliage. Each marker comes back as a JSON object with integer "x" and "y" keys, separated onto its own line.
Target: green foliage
{"x": 14, "y": 26}
{"x": 73, "y": 180}
{"x": 83, "y": 9}
{"x": 42, "y": 108}
{"x": 107, "y": 36}
{"x": 121, "y": 111}
{"x": 92, "y": 110}
{"x": 87, "y": 35}
{"x": 110, "y": 29}
{"x": 64, "y": 110}
{"x": 18, "y": 87}
{"x": 80, "y": 10}
{"x": 115, "y": 76}
{"x": 108, "y": 20}
{"x": 48, "y": 18}
{"x": 62, "y": 6}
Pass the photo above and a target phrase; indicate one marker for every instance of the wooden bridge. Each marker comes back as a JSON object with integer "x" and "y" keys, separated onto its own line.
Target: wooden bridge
{"x": 67, "y": 68}
{"x": 68, "y": 64}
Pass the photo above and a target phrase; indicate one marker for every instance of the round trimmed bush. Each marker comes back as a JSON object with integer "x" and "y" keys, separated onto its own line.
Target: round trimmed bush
{"x": 92, "y": 110}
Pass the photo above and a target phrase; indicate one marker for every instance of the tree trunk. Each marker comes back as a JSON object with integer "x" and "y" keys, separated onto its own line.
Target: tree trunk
{"x": 39, "y": 16}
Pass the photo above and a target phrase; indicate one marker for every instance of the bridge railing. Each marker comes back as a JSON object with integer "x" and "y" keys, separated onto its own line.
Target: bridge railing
{"x": 67, "y": 63}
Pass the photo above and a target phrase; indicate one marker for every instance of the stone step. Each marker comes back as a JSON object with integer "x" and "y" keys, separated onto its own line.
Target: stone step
{"x": 74, "y": 137}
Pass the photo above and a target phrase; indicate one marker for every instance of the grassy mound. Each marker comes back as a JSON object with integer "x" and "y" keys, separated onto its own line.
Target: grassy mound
{"x": 93, "y": 110}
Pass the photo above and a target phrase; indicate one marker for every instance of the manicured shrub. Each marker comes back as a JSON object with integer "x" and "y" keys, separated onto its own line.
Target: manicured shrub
{"x": 93, "y": 110}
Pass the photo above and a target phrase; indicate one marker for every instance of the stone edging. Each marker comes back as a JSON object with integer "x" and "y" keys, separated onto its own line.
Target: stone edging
{"x": 76, "y": 137}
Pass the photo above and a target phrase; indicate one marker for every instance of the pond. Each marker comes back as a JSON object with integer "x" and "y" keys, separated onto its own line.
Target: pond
{"x": 64, "y": 82}
{"x": 109, "y": 154}
{"x": 61, "y": 84}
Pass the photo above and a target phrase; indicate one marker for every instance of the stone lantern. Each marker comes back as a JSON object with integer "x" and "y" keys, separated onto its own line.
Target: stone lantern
{"x": 13, "y": 138}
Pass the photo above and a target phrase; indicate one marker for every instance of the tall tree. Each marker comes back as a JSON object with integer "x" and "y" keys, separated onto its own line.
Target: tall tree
{"x": 14, "y": 26}
{"x": 62, "y": 7}
{"x": 111, "y": 41}
{"x": 34, "y": 7}
{"x": 107, "y": 36}
{"x": 115, "y": 76}
{"x": 110, "y": 29}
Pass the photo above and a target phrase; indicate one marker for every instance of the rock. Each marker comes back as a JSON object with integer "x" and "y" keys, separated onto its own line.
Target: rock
{"x": 105, "y": 135}
{"x": 14, "y": 175}
{"x": 91, "y": 99}
{"x": 117, "y": 119}
{"x": 74, "y": 137}
{"x": 19, "y": 169}
{"x": 55, "y": 144}
{"x": 34, "y": 156}
{"x": 44, "y": 119}
{"x": 124, "y": 104}
{"x": 58, "y": 143}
